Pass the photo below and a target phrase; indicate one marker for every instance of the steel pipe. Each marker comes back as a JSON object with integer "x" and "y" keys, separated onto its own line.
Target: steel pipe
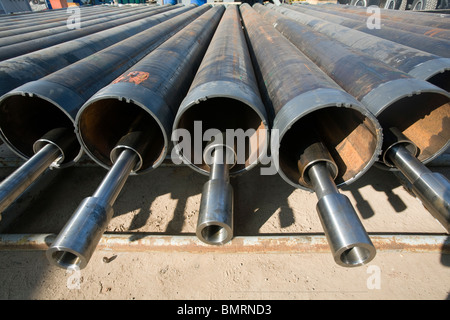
{"x": 133, "y": 115}
{"x": 405, "y": 26}
{"x": 439, "y": 47}
{"x": 37, "y": 102}
{"x": 38, "y": 64}
{"x": 417, "y": 63}
{"x": 225, "y": 85}
{"x": 17, "y": 49}
{"x": 414, "y": 17}
{"x": 28, "y": 25}
{"x": 15, "y": 36}
{"x": 416, "y": 109}
{"x": 310, "y": 108}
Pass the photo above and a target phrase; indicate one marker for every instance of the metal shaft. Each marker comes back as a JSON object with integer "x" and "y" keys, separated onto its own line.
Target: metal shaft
{"x": 432, "y": 188}
{"x": 349, "y": 242}
{"x": 78, "y": 239}
{"x": 215, "y": 219}
{"x": 13, "y": 186}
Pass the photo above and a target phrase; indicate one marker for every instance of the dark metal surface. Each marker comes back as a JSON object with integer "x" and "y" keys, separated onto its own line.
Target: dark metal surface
{"x": 154, "y": 86}
{"x": 299, "y": 93}
{"x": 309, "y": 106}
{"x": 17, "y": 49}
{"x": 417, "y": 63}
{"x": 182, "y": 55}
{"x": 225, "y": 85}
{"x": 417, "y": 108}
{"x": 363, "y": 17}
{"x": 35, "y": 65}
{"x": 439, "y": 47}
{"x": 414, "y": 17}
{"x": 36, "y": 107}
{"x": 16, "y": 35}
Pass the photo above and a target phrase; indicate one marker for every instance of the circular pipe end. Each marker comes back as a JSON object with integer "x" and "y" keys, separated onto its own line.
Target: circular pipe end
{"x": 355, "y": 255}
{"x": 66, "y": 258}
{"x": 214, "y": 233}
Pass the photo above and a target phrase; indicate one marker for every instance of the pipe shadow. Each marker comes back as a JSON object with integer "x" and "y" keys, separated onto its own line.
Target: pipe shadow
{"x": 381, "y": 181}
{"x": 257, "y": 198}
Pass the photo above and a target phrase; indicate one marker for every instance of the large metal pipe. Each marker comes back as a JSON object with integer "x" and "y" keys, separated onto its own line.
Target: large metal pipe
{"x": 417, "y": 63}
{"x": 224, "y": 86}
{"x": 315, "y": 123}
{"x": 414, "y": 108}
{"x": 364, "y": 18}
{"x": 129, "y": 122}
{"x": 414, "y": 17}
{"x": 17, "y": 49}
{"x": 35, "y": 65}
{"x": 17, "y": 35}
{"x": 14, "y": 27}
{"x": 435, "y": 46}
{"x": 34, "y": 16}
{"x": 40, "y": 106}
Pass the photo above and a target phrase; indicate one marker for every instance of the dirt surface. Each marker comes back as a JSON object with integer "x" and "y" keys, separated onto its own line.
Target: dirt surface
{"x": 166, "y": 201}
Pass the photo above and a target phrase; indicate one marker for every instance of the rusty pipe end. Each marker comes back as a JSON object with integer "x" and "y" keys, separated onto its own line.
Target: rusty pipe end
{"x": 350, "y": 133}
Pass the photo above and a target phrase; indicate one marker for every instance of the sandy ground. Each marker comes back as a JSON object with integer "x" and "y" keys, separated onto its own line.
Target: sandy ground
{"x": 166, "y": 201}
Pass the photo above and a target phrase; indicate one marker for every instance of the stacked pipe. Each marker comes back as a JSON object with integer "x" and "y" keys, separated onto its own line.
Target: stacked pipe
{"x": 413, "y": 113}
{"x": 126, "y": 127}
{"x": 36, "y": 119}
{"x": 417, "y": 63}
{"x": 326, "y": 137}
{"x": 440, "y": 47}
{"x": 224, "y": 86}
{"x": 38, "y": 42}
{"x": 337, "y": 100}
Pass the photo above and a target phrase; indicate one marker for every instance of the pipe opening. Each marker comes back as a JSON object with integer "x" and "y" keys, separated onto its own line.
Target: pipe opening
{"x": 355, "y": 256}
{"x": 103, "y": 123}
{"x": 214, "y": 234}
{"x": 350, "y": 137}
{"x": 25, "y": 119}
{"x": 66, "y": 259}
{"x": 247, "y": 126}
{"x": 424, "y": 119}
{"x": 441, "y": 80}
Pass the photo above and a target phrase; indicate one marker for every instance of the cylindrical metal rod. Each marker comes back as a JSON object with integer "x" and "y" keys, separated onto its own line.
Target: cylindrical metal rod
{"x": 215, "y": 218}
{"x": 17, "y": 49}
{"x": 51, "y": 149}
{"x": 432, "y": 188}
{"x": 418, "y": 108}
{"x": 349, "y": 241}
{"x": 74, "y": 245}
{"x": 417, "y": 63}
{"x": 13, "y": 186}
{"x": 38, "y": 64}
{"x": 415, "y": 28}
{"x": 439, "y": 47}
{"x": 10, "y": 38}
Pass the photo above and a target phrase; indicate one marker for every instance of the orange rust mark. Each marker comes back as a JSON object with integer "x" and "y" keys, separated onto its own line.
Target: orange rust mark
{"x": 433, "y": 32}
{"x": 136, "y": 77}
